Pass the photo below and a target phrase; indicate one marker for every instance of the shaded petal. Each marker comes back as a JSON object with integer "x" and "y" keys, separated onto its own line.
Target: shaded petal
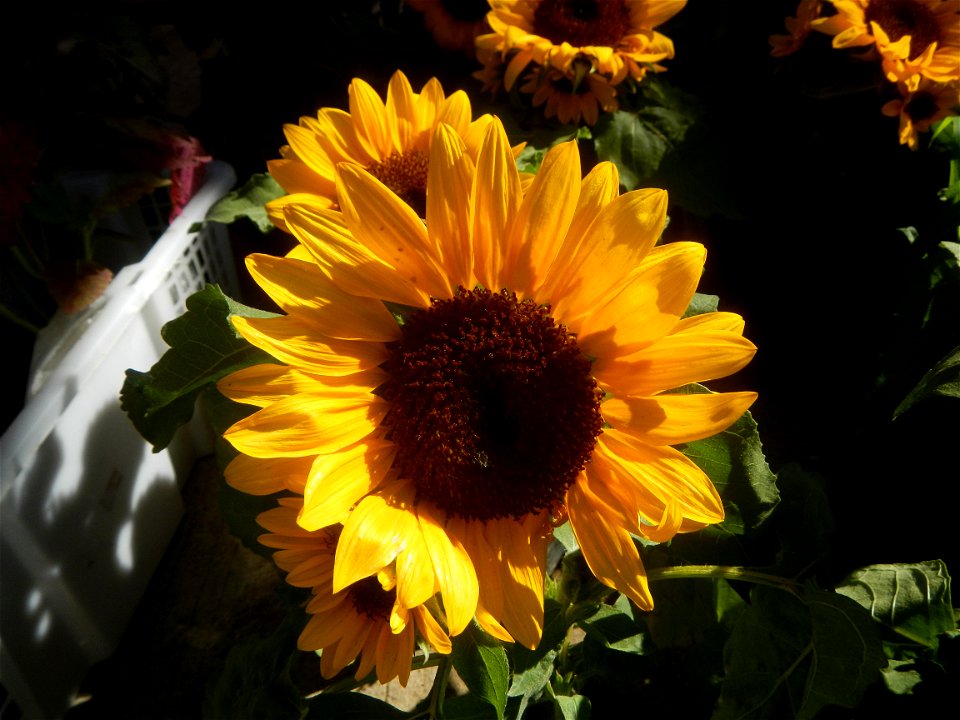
{"x": 337, "y": 481}
{"x": 674, "y": 419}
{"x": 295, "y": 342}
{"x": 609, "y": 549}
{"x": 307, "y": 424}
{"x": 303, "y": 288}
{"x": 665, "y": 472}
{"x": 264, "y": 476}
{"x": 648, "y": 307}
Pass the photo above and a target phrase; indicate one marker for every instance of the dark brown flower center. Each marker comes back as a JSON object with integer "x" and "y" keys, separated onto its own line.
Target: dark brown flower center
{"x": 582, "y": 22}
{"x": 905, "y": 17}
{"x": 494, "y": 411}
{"x": 922, "y": 106}
{"x": 370, "y": 599}
{"x": 406, "y": 175}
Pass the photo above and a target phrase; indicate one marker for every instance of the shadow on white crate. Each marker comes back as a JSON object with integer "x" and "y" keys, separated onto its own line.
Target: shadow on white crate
{"x": 86, "y": 507}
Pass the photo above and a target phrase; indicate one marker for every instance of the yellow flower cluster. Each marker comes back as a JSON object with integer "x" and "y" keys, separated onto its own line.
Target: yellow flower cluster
{"x": 917, "y": 43}
{"x": 581, "y": 50}
{"x": 461, "y": 365}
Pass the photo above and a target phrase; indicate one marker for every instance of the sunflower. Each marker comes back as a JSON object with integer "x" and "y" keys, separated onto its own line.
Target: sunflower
{"x": 798, "y": 28}
{"x": 460, "y": 385}
{"x": 390, "y": 139}
{"x": 364, "y": 619}
{"x": 919, "y": 109}
{"x": 454, "y": 24}
{"x": 915, "y": 38}
{"x": 570, "y": 98}
{"x": 616, "y": 36}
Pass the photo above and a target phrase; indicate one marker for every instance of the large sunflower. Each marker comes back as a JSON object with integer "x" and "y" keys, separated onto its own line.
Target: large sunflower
{"x": 616, "y": 36}
{"x": 459, "y": 385}
{"x": 390, "y": 139}
{"x": 915, "y": 38}
{"x": 364, "y": 619}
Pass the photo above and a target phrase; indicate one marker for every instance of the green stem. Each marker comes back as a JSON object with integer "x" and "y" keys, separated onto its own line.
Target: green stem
{"x": 727, "y": 572}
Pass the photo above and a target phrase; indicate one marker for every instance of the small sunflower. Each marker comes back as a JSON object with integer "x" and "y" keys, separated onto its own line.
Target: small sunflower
{"x": 915, "y": 38}
{"x": 391, "y": 140}
{"x": 459, "y": 385}
{"x": 617, "y": 37}
{"x": 454, "y": 24}
{"x": 570, "y": 98}
{"x": 920, "y": 109}
{"x": 364, "y": 619}
{"x": 798, "y": 28}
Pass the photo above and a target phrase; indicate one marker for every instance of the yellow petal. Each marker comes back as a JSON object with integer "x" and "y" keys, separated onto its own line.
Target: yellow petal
{"x": 543, "y": 218}
{"x": 369, "y": 118}
{"x": 394, "y": 655}
{"x": 303, "y": 142}
{"x": 307, "y": 424}
{"x": 675, "y": 360}
{"x": 489, "y": 571}
{"x": 664, "y": 472}
{"x": 711, "y": 322}
{"x": 597, "y": 189}
{"x": 522, "y": 580}
{"x": 345, "y": 261}
{"x": 303, "y": 288}
{"x": 614, "y": 244}
{"x": 296, "y": 177}
{"x": 351, "y": 642}
{"x": 337, "y": 134}
{"x": 379, "y": 527}
{"x": 648, "y": 306}
{"x": 416, "y": 580}
{"x": 609, "y": 550}
{"x": 264, "y": 476}
{"x": 674, "y": 419}
{"x": 495, "y": 198}
{"x": 448, "y": 194}
{"x": 390, "y": 229}
{"x": 337, "y": 481}
{"x": 295, "y": 342}
{"x": 325, "y": 628}
{"x": 455, "y": 574}
{"x": 431, "y": 631}
{"x": 401, "y": 112}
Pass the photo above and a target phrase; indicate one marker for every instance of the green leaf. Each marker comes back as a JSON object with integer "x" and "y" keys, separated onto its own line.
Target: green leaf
{"x": 615, "y": 628}
{"x": 734, "y": 461}
{"x": 248, "y": 201}
{"x": 702, "y": 303}
{"x": 803, "y": 522}
{"x": 901, "y": 676}
{"x": 482, "y": 664}
{"x": 912, "y": 599}
{"x": 532, "y": 669}
{"x": 942, "y": 379}
{"x": 203, "y": 348}
{"x": 636, "y": 141}
{"x": 688, "y": 613}
{"x": 789, "y": 657}
{"x": 467, "y": 707}
{"x": 573, "y": 707}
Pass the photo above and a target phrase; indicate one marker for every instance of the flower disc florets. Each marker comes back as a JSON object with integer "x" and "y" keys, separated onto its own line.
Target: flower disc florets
{"x": 905, "y": 17}
{"x": 494, "y": 411}
{"x": 582, "y": 22}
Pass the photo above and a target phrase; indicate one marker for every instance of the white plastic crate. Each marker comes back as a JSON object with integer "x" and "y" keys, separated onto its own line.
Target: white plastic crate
{"x": 86, "y": 508}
